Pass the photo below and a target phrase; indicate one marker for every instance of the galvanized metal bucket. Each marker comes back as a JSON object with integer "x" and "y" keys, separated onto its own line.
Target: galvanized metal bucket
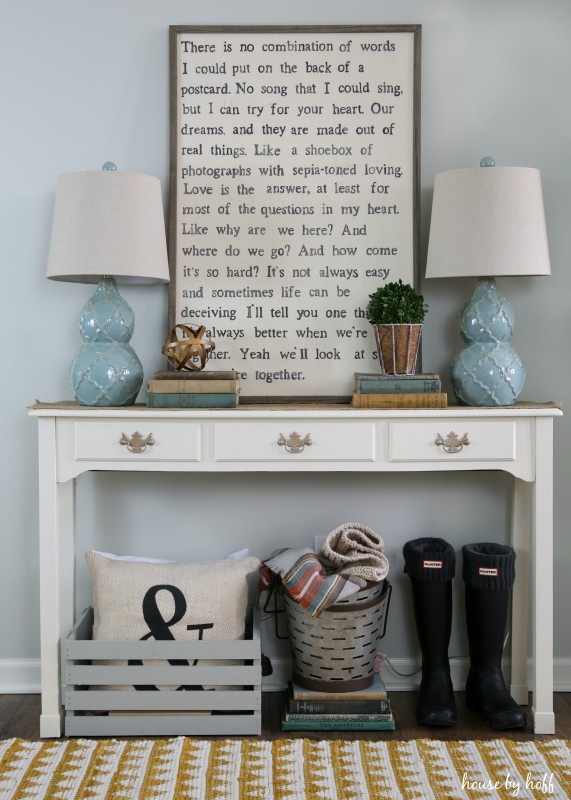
{"x": 335, "y": 652}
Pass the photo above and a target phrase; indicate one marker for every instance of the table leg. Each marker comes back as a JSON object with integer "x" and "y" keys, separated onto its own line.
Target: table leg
{"x": 56, "y": 528}
{"x": 521, "y": 522}
{"x": 542, "y": 588}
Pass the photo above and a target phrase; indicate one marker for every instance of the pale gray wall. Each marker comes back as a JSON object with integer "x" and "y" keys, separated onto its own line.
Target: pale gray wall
{"x": 81, "y": 83}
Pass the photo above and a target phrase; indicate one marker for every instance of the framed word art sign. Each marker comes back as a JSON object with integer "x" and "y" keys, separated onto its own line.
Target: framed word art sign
{"x": 294, "y": 195}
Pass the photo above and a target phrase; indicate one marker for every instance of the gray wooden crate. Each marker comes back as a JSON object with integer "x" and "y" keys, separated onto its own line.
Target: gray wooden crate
{"x": 94, "y": 708}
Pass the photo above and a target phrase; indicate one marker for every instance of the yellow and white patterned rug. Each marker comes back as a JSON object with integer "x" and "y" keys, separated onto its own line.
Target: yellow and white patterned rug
{"x": 296, "y": 769}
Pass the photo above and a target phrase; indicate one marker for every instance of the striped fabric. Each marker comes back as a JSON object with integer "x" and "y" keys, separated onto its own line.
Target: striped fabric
{"x": 297, "y": 769}
{"x": 304, "y": 579}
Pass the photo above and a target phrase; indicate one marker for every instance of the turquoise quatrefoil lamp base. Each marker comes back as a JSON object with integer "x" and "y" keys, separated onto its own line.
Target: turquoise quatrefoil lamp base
{"x": 108, "y": 228}
{"x": 106, "y": 371}
{"x": 487, "y": 371}
{"x": 487, "y": 222}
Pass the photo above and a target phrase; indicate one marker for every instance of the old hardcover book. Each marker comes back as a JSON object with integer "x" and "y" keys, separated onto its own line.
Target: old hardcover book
{"x": 325, "y": 723}
{"x": 192, "y": 400}
{"x": 397, "y": 384}
{"x": 376, "y": 691}
{"x": 181, "y": 385}
{"x": 382, "y": 376}
{"x": 292, "y": 717}
{"x": 401, "y": 400}
{"x": 197, "y": 375}
{"x": 338, "y": 707}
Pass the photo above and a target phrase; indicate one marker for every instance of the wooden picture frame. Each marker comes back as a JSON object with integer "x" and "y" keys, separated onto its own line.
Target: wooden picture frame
{"x": 294, "y": 194}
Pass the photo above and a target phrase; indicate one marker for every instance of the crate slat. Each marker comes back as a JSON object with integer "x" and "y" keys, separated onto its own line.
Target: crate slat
{"x": 164, "y": 725}
{"x": 166, "y": 674}
{"x": 95, "y": 700}
{"x": 189, "y": 650}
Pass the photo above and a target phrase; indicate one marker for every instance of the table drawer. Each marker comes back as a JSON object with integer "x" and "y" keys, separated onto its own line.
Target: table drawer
{"x": 294, "y": 441}
{"x": 452, "y": 440}
{"x": 137, "y": 439}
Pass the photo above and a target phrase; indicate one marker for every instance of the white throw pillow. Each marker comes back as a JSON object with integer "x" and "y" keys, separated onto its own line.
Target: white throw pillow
{"x": 149, "y": 599}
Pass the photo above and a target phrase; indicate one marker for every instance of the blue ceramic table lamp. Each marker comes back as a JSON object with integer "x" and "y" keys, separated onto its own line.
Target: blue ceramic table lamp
{"x": 487, "y": 222}
{"x": 108, "y": 227}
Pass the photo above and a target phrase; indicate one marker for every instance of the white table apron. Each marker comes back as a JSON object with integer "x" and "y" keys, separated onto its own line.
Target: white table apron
{"x": 309, "y": 438}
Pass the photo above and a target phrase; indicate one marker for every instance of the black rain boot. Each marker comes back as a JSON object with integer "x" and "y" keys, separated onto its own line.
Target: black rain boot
{"x": 489, "y": 574}
{"x": 430, "y": 563}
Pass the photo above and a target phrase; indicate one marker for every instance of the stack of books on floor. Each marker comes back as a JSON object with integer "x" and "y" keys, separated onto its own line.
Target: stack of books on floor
{"x": 204, "y": 389}
{"x": 376, "y": 390}
{"x": 365, "y": 709}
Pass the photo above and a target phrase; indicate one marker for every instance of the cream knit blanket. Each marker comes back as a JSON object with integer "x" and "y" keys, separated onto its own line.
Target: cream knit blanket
{"x": 355, "y": 549}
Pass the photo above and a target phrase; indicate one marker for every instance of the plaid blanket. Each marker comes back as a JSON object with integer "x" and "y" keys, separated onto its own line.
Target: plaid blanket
{"x": 305, "y": 580}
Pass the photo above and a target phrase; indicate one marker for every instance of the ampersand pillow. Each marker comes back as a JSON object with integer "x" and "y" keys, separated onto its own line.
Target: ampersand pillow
{"x": 149, "y": 599}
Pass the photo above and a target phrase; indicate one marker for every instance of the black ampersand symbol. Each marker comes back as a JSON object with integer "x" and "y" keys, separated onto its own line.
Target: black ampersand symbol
{"x": 159, "y": 628}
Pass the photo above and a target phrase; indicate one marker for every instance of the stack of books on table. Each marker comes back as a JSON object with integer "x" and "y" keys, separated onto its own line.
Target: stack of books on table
{"x": 376, "y": 390}
{"x": 365, "y": 709}
{"x": 204, "y": 389}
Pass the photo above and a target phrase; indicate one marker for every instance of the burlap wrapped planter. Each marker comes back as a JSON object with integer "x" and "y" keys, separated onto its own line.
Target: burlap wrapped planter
{"x": 335, "y": 652}
{"x": 397, "y": 348}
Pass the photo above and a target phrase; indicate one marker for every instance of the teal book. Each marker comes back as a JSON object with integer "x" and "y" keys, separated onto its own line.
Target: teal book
{"x": 397, "y": 384}
{"x": 192, "y": 400}
{"x": 291, "y": 716}
{"x": 325, "y": 724}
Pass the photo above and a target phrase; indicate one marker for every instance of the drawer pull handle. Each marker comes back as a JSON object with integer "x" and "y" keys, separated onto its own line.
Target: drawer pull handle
{"x": 137, "y": 443}
{"x": 295, "y": 444}
{"x": 452, "y": 444}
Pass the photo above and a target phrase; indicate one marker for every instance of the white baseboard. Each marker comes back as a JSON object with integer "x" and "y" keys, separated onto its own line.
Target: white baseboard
{"x": 19, "y": 676}
{"x": 562, "y": 674}
{"x": 400, "y": 675}
{"x": 403, "y": 674}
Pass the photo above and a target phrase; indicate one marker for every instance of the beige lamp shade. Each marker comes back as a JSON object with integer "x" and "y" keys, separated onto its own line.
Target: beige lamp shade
{"x": 108, "y": 223}
{"x": 487, "y": 221}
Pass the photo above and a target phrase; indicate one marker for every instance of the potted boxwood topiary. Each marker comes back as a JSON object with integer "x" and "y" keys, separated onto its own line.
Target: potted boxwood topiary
{"x": 396, "y": 311}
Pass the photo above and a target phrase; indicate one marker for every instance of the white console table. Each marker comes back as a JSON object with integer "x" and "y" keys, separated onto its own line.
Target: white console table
{"x": 519, "y": 440}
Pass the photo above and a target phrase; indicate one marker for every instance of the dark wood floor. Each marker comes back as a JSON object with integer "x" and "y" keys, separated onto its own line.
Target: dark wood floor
{"x": 19, "y": 718}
